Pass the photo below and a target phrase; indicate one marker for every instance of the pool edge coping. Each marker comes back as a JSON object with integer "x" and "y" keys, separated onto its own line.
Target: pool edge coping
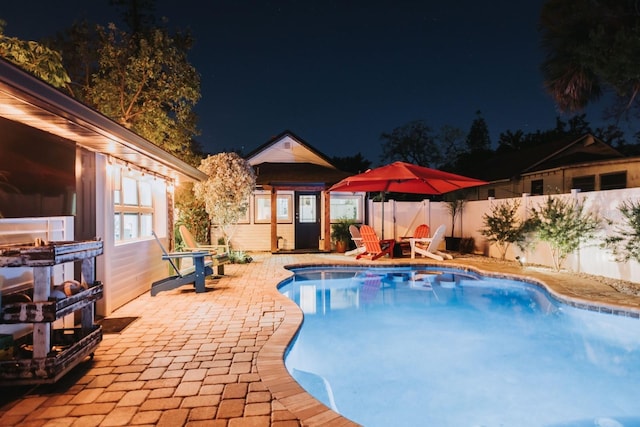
{"x": 312, "y": 412}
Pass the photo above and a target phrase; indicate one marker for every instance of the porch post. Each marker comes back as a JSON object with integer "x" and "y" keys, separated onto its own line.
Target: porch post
{"x": 327, "y": 221}
{"x": 274, "y": 220}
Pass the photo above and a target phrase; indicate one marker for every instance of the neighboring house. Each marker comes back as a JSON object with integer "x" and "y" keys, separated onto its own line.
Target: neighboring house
{"x": 585, "y": 164}
{"x": 69, "y": 173}
{"x": 291, "y": 208}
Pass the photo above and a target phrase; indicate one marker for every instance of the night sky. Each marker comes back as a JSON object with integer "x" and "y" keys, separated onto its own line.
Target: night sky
{"x": 340, "y": 73}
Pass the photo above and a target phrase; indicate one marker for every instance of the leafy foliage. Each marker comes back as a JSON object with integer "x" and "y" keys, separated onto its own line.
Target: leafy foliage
{"x": 354, "y": 164}
{"x": 455, "y": 208}
{"x": 478, "y": 139}
{"x": 140, "y": 76}
{"x": 592, "y": 46}
{"x": 191, "y": 212}
{"x": 564, "y": 225}
{"x": 414, "y": 142}
{"x": 240, "y": 257}
{"x": 625, "y": 243}
{"x": 35, "y": 58}
{"x": 226, "y": 191}
{"x": 145, "y": 82}
{"x": 340, "y": 230}
{"x": 503, "y": 227}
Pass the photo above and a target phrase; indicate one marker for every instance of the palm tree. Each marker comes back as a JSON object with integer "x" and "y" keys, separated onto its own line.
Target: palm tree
{"x": 590, "y": 45}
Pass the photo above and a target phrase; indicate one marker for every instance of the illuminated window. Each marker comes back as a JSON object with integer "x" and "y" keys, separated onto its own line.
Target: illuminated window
{"x": 284, "y": 208}
{"x": 349, "y": 206}
{"x": 133, "y": 206}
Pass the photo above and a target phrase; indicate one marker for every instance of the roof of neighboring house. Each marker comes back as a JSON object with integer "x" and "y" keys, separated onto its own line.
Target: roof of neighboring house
{"x": 297, "y": 174}
{"x": 552, "y": 155}
{"x": 29, "y": 100}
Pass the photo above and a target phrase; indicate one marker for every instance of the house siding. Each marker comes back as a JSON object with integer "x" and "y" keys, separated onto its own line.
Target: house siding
{"x": 560, "y": 180}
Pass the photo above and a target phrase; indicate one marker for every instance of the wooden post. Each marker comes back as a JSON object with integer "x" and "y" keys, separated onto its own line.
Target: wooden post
{"x": 274, "y": 220}
{"x": 327, "y": 221}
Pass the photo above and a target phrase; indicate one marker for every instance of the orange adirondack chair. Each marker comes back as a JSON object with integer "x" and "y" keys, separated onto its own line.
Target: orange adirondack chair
{"x": 374, "y": 247}
{"x": 421, "y": 231}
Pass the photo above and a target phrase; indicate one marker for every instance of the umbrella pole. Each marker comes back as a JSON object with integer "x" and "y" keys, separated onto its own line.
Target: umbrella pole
{"x": 382, "y": 204}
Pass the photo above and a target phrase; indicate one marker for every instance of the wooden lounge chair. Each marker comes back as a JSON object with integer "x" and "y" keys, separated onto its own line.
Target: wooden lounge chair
{"x": 421, "y": 232}
{"x": 357, "y": 239}
{"x": 218, "y": 254}
{"x": 194, "y": 274}
{"x": 374, "y": 247}
{"x": 429, "y": 246}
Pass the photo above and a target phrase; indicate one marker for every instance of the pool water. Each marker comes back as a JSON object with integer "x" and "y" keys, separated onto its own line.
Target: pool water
{"x": 441, "y": 347}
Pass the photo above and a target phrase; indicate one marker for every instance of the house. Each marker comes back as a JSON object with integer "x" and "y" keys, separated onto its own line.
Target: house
{"x": 70, "y": 173}
{"x": 586, "y": 164}
{"x": 291, "y": 208}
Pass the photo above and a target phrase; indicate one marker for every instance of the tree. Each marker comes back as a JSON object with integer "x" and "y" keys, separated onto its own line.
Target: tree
{"x": 35, "y": 58}
{"x": 591, "y": 47}
{"x": 564, "y": 225}
{"x": 451, "y": 142}
{"x": 353, "y": 164}
{"x": 413, "y": 142}
{"x": 147, "y": 85}
{"x": 478, "y": 139}
{"x": 140, "y": 78}
{"x": 226, "y": 191}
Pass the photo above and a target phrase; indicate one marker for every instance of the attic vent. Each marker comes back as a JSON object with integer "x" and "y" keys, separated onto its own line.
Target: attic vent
{"x": 287, "y": 145}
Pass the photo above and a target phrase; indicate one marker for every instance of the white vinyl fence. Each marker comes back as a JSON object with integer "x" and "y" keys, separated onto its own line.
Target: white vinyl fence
{"x": 401, "y": 218}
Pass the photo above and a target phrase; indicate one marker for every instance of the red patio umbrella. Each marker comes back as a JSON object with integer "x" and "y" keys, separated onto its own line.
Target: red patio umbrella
{"x": 401, "y": 177}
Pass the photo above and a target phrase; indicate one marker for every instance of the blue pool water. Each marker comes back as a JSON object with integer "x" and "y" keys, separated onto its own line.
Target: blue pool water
{"x": 439, "y": 347}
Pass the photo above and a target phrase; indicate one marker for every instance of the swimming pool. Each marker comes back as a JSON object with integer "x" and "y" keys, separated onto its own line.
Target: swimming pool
{"x": 418, "y": 346}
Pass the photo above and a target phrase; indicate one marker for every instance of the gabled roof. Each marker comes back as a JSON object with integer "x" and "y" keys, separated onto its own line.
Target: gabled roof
{"x": 287, "y": 147}
{"x": 28, "y": 100}
{"x": 586, "y": 148}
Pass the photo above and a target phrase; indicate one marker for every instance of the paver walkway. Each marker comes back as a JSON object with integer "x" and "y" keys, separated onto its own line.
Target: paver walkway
{"x": 215, "y": 358}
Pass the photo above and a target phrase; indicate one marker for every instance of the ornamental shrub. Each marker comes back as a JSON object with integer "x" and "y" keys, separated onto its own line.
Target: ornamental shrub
{"x": 503, "y": 226}
{"x": 625, "y": 241}
{"x": 564, "y": 225}
{"x": 226, "y": 191}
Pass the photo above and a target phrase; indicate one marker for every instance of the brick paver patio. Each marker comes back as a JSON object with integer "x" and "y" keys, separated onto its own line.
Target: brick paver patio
{"x": 215, "y": 358}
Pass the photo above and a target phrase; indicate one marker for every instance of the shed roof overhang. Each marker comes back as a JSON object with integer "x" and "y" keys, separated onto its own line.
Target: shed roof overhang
{"x": 28, "y": 100}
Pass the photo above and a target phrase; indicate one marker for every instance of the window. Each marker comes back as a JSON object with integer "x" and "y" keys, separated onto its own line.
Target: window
{"x": 307, "y": 209}
{"x": 349, "y": 206}
{"x": 283, "y": 208}
{"x": 133, "y": 205}
{"x": 491, "y": 192}
{"x": 584, "y": 183}
{"x": 537, "y": 187}
{"x": 613, "y": 181}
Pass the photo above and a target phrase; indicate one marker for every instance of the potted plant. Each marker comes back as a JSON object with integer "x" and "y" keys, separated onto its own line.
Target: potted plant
{"x": 455, "y": 208}
{"x": 340, "y": 234}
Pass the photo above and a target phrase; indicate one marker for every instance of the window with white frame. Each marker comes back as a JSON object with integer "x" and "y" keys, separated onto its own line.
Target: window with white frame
{"x": 349, "y": 206}
{"x": 284, "y": 209}
{"x": 133, "y": 205}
